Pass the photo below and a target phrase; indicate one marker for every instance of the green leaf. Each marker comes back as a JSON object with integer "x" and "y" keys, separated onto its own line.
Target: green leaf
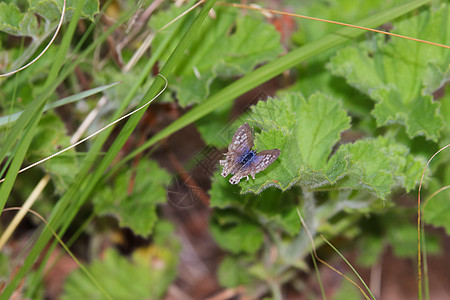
{"x": 445, "y": 109}
{"x": 274, "y": 208}
{"x": 402, "y": 235}
{"x": 227, "y": 46}
{"x": 380, "y": 164}
{"x": 145, "y": 276}
{"x": 10, "y": 18}
{"x": 51, "y": 137}
{"x": 51, "y": 9}
{"x": 278, "y": 209}
{"x": 395, "y": 73}
{"x": 211, "y": 126}
{"x": 223, "y": 194}
{"x": 436, "y": 77}
{"x": 305, "y": 132}
{"x": 346, "y": 290}
{"x": 349, "y": 11}
{"x": 411, "y": 173}
{"x": 313, "y": 77}
{"x": 371, "y": 248}
{"x": 15, "y": 22}
{"x": 4, "y": 265}
{"x": 231, "y": 273}
{"x": 138, "y": 210}
{"x": 437, "y": 212}
{"x": 236, "y": 233}
{"x": 420, "y": 116}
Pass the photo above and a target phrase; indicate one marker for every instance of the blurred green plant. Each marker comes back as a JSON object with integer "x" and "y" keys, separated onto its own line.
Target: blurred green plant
{"x": 388, "y": 92}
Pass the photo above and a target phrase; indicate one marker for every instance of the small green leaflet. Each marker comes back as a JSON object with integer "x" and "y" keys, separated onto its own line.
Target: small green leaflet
{"x": 15, "y": 22}
{"x": 138, "y": 210}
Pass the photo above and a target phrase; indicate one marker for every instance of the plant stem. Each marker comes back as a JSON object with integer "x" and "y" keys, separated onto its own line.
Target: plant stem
{"x": 309, "y": 206}
{"x": 276, "y": 290}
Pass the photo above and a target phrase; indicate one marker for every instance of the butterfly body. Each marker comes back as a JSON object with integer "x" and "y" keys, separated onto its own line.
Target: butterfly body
{"x": 241, "y": 160}
{"x": 247, "y": 157}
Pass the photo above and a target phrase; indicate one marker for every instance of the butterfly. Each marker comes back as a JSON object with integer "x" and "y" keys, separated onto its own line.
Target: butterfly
{"x": 241, "y": 160}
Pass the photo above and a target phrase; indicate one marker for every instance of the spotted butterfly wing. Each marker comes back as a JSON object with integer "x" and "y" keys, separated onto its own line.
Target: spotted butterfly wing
{"x": 259, "y": 163}
{"x": 241, "y": 143}
{"x": 242, "y": 139}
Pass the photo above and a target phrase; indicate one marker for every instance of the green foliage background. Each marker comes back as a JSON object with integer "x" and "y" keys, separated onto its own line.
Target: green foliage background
{"x": 390, "y": 93}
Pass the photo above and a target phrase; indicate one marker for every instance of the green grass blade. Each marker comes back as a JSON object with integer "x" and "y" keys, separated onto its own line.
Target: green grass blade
{"x": 5, "y": 120}
{"x": 64, "y": 46}
{"x": 16, "y": 162}
{"x": 319, "y": 278}
{"x": 351, "y": 267}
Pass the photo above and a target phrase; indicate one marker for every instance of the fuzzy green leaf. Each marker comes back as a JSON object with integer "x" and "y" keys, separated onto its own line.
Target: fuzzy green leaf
{"x": 436, "y": 77}
{"x": 146, "y": 276}
{"x": 235, "y": 233}
{"x": 445, "y": 111}
{"x": 396, "y": 73}
{"x": 10, "y": 18}
{"x": 227, "y": 46}
{"x": 51, "y": 9}
{"x": 305, "y": 132}
{"x": 13, "y": 21}
{"x": 402, "y": 237}
{"x": 278, "y": 210}
{"x": 242, "y": 238}
{"x": 138, "y": 210}
{"x": 231, "y": 273}
{"x": 380, "y": 164}
{"x": 274, "y": 207}
{"x": 223, "y": 194}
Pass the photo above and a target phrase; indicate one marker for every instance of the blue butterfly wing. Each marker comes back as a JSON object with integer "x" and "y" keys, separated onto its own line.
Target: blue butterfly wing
{"x": 241, "y": 143}
{"x": 258, "y": 163}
